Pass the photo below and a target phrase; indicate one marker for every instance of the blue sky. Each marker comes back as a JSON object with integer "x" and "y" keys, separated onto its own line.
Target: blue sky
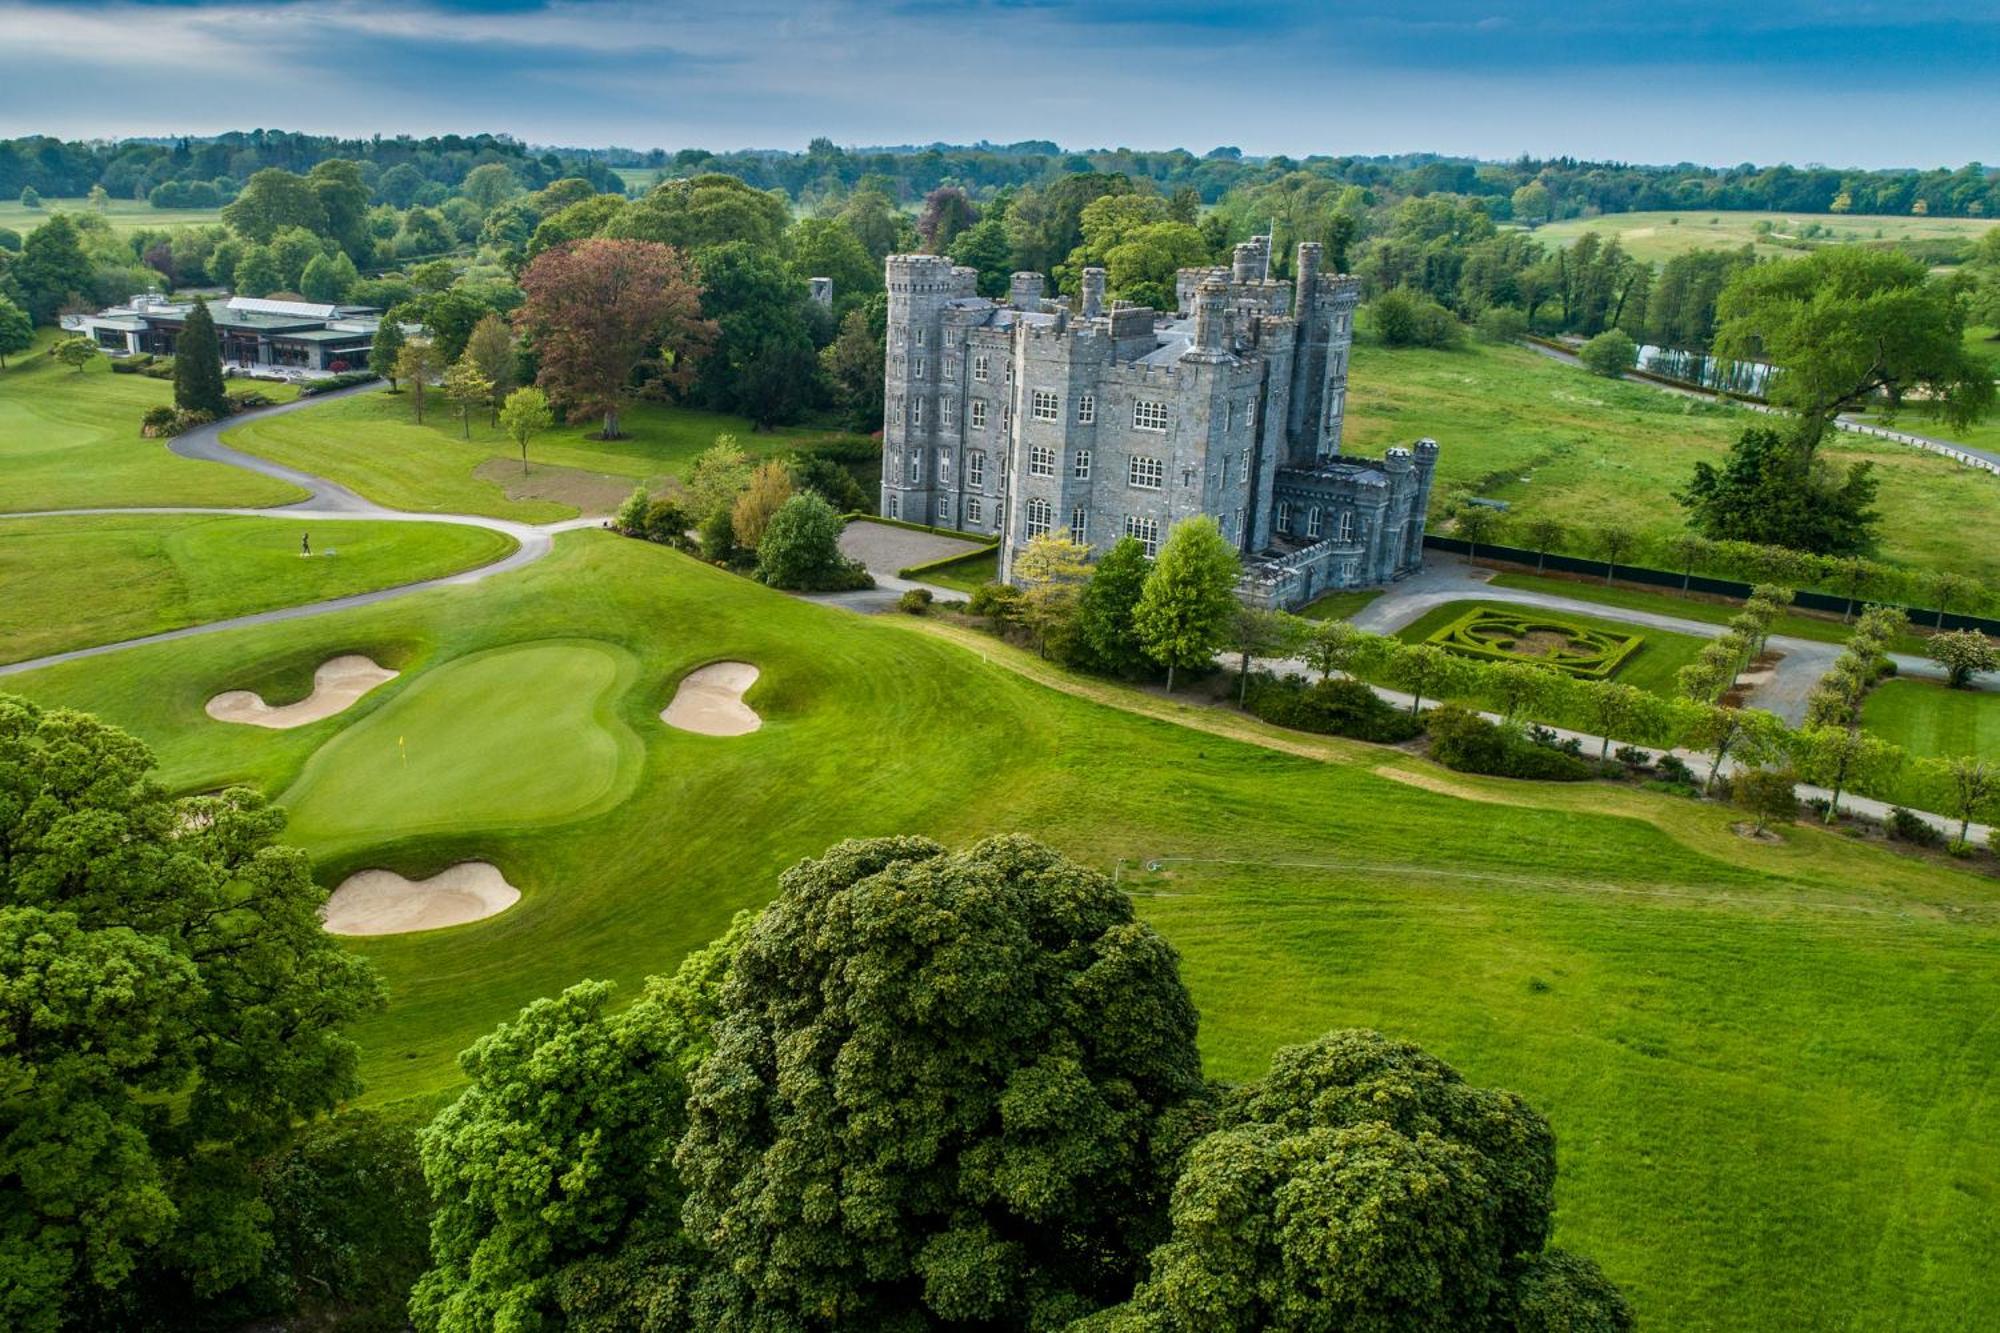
{"x": 1839, "y": 81}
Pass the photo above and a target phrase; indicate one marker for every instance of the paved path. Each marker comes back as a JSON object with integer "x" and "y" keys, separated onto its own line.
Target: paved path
{"x": 325, "y": 500}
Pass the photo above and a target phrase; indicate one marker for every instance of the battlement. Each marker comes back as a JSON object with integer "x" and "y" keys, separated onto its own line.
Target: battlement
{"x": 919, "y": 274}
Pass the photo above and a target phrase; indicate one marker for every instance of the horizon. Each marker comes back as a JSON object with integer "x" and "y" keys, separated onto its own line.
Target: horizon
{"x": 1721, "y": 88}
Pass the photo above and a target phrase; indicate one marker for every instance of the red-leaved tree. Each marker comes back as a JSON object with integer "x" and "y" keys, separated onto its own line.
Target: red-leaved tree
{"x": 598, "y": 307}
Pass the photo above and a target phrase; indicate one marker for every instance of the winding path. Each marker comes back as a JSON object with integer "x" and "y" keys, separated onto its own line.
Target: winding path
{"x": 324, "y": 500}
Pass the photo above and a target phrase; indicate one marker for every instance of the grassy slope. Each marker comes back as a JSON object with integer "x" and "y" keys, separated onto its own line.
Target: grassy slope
{"x": 93, "y": 579}
{"x": 1710, "y": 1046}
{"x": 371, "y": 442}
{"x": 125, "y": 215}
{"x": 1553, "y": 439}
{"x": 1927, "y": 718}
{"x": 70, "y": 439}
{"x": 1656, "y": 236}
{"x": 1660, "y": 654}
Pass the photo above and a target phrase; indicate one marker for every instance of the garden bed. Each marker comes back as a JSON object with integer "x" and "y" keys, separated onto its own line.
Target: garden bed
{"x": 1529, "y": 636}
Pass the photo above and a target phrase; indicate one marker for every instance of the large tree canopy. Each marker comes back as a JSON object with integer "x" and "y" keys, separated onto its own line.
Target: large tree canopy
{"x": 947, "y": 1090}
{"x": 694, "y": 214}
{"x": 170, "y": 1008}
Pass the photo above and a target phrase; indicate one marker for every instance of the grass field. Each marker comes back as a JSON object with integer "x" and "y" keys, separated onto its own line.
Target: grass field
{"x": 1928, "y": 718}
{"x": 1552, "y": 439}
{"x": 371, "y": 443}
{"x": 1983, "y": 435}
{"x": 1702, "y": 1018}
{"x": 70, "y": 439}
{"x": 72, "y": 582}
{"x": 1660, "y": 236}
{"x": 968, "y": 574}
{"x": 1340, "y": 605}
{"x": 125, "y": 215}
{"x": 1650, "y": 668}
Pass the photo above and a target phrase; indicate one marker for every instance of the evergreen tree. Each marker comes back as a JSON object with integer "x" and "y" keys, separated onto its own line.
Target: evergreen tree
{"x": 17, "y": 332}
{"x": 198, "y": 365}
{"x": 1184, "y": 615}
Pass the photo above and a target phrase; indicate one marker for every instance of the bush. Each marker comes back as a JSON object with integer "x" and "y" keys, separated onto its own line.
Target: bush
{"x": 800, "y": 549}
{"x": 1673, "y": 769}
{"x": 631, "y": 516}
{"x": 1402, "y": 318}
{"x": 162, "y": 369}
{"x": 914, "y": 601}
{"x": 1337, "y": 706}
{"x": 1501, "y": 324}
{"x": 164, "y": 421}
{"x": 249, "y": 400}
{"x": 1766, "y": 795}
{"x": 1463, "y": 740}
{"x": 313, "y": 388}
{"x": 665, "y": 523}
{"x": 1907, "y": 827}
{"x": 1633, "y": 757}
{"x": 1610, "y": 354}
{"x": 999, "y": 601}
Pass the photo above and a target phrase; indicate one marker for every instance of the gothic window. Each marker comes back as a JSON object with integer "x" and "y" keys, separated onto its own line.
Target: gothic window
{"x": 1041, "y": 461}
{"x": 1079, "y": 526}
{"x": 1285, "y": 517}
{"x": 1315, "y": 523}
{"x": 1347, "y": 525}
{"x": 1146, "y": 531}
{"x": 895, "y": 505}
{"x": 979, "y": 367}
{"x": 1229, "y": 417}
{"x": 975, "y": 468}
{"x": 1145, "y": 473}
{"x": 1086, "y": 409}
{"x": 1148, "y": 415}
{"x": 973, "y": 509}
{"x": 1038, "y": 519}
{"x": 1047, "y": 408}
{"x": 979, "y": 414}
{"x": 944, "y": 467}
{"x": 1080, "y": 469}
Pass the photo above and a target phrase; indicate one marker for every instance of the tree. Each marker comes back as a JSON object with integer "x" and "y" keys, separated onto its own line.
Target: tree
{"x": 1052, "y": 572}
{"x": 1330, "y": 646}
{"x": 1104, "y": 609}
{"x": 1531, "y": 203}
{"x": 271, "y": 200}
{"x": 1840, "y": 757}
{"x": 198, "y": 385}
{"x": 1519, "y": 688}
{"x": 1772, "y": 492}
{"x": 30, "y": 197}
{"x": 328, "y": 278}
{"x": 153, "y": 950}
{"x": 1184, "y": 613}
{"x": 1970, "y": 786}
{"x": 800, "y": 548}
{"x": 76, "y": 352}
{"x": 770, "y": 486}
{"x": 491, "y": 348}
{"x": 525, "y": 415}
{"x": 1845, "y": 324}
{"x": 718, "y": 476}
{"x": 1766, "y": 795}
{"x": 1476, "y": 523}
{"x": 552, "y": 1171}
{"x": 947, "y": 211}
{"x": 1262, "y": 632}
{"x": 718, "y": 537}
{"x": 1015, "y": 1061}
{"x": 467, "y": 390}
{"x": 1545, "y": 534}
{"x": 490, "y": 185}
{"x": 416, "y": 364}
{"x": 1610, "y": 354}
{"x": 596, "y": 307}
{"x": 384, "y": 353}
{"x": 1363, "y": 1184}
{"x": 1722, "y": 731}
{"x": 52, "y": 268}
{"x": 1424, "y": 669}
{"x": 1947, "y": 588}
{"x": 1688, "y": 550}
{"x": 1613, "y": 707}
{"x": 1614, "y": 544}
{"x": 1402, "y": 318}
{"x": 853, "y": 362}
{"x": 1962, "y": 653}
{"x": 17, "y": 331}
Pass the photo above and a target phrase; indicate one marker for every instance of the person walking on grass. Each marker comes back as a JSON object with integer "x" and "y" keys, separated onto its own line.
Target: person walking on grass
{"x": 306, "y": 544}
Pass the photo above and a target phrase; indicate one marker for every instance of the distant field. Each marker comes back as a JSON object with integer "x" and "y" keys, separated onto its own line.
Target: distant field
{"x": 1658, "y": 236}
{"x": 643, "y": 178}
{"x": 125, "y": 215}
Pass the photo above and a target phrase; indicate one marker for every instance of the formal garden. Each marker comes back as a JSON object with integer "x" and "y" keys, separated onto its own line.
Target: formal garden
{"x": 1494, "y": 634}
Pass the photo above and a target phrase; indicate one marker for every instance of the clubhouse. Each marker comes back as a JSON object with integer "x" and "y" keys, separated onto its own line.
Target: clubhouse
{"x": 278, "y": 337}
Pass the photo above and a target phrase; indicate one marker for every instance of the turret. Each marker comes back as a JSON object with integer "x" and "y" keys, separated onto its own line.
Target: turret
{"x": 1251, "y": 261}
{"x": 1093, "y": 293}
{"x": 1308, "y": 277}
{"x": 1211, "y": 324}
{"x": 1025, "y": 291}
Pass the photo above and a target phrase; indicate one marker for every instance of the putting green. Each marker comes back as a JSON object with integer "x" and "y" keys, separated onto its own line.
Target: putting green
{"x": 511, "y": 737}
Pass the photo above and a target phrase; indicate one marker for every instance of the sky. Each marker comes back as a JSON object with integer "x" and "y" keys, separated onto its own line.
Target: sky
{"x": 1839, "y": 82}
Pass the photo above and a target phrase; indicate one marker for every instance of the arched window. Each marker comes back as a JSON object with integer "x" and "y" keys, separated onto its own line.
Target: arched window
{"x": 1038, "y": 519}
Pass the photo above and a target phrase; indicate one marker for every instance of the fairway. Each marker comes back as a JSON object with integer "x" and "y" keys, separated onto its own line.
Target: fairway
{"x": 1552, "y": 439}
{"x": 508, "y": 738}
{"x": 125, "y": 215}
{"x": 89, "y": 579}
{"x": 1927, "y": 718}
{"x": 70, "y": 439}
{"x": 1662, "y": 235}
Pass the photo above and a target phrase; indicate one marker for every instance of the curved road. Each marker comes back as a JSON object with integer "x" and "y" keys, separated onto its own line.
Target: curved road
{"x": 324, "y": 500}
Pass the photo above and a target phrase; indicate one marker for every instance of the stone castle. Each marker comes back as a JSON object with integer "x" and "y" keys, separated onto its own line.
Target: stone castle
{"x": 1023, "y": 418}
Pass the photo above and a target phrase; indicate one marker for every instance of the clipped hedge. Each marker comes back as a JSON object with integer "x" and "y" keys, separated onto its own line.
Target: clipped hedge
{"x": 1491, "y": 635}
{"x": 945, "y": 564}
{"x": 859, "y": 517}
{"x": 345, "y": 380}
{"x": 1337, "y": 706}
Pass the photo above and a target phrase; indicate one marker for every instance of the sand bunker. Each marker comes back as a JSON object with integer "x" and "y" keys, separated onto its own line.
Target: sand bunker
{"x": 710, "y": 701}
{"x": 336, "y": 685}
{"x": 382, "y": 902}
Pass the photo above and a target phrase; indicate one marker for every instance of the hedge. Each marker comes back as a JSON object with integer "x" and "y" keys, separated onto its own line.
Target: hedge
{"x": 1604, "y": 654}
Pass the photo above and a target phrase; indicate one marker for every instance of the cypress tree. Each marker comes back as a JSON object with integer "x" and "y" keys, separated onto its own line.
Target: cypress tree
{"x": 198, "y": 365}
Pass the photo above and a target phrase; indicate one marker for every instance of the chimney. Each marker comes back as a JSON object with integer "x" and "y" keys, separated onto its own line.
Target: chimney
{"x": 1026, "y": 292}
{"x": 1093, "y": 293}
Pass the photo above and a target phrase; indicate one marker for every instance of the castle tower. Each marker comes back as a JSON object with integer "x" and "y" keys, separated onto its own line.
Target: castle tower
{"x": 1303, "y": 412}
{"x": 1093, "y": 293}
{"x": 1025, "y": 291}
{"x": 919, "y": 288}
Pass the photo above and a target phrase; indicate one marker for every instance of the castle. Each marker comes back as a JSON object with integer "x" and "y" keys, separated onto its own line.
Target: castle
{"x": 1020, "y": 419}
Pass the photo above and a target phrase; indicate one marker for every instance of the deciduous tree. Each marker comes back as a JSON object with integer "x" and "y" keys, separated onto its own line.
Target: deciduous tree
{"x": 1108, "y": 640}
{"x": 1189, "y": 601}
{"x": 17, "y": 331}
{"x": 468, "y": 390}
{"x": 384, "y": 352}
{"x": 1962, "y": 653}
{"x": 770, "y": 486}
{"x": 416, "y": 364}
{"x": 525, "y": 415}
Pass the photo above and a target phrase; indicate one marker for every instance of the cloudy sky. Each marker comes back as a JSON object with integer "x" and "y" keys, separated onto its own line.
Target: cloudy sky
{"x": 1843, "y": 82}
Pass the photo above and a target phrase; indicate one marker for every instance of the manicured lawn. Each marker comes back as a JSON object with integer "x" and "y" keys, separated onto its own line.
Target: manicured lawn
{"x": 73, "y": 582}
{"x": 1551, "y": 439}
{"x": 125, "y": 215}
{"x": 1702, "y": 1018}
{"x": 968, "y": 573}
{"x": 1928, "y": 718}
{"x": 1657, "y": 236}
{"x": 371, "y": 442}
{"x": 70, "y": 439}
{"x": 1651, "y": 668}
{"x": 1341, "y": 605}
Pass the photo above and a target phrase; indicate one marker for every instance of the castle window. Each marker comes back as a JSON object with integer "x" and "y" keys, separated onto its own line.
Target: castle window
{"x": 944, "y": 509}
{"x": 1081, "y": 468}
{"x": 1250, "y": 415}
{"x": 1145, "y": 473}
{"x": 1086, "y": 409}
{"x": 1229, "y": 417}
{"x": 922, "y": 366}
{"x": 944, "y": 467}
{"x": 1315, "y": 523}
{"x": 899, "y": 411}
{"x": 1041, "y": 461}
{"x": 1347, "y": 525}
{"x": 1148, "y": 415}
{"x": 979, "y": 367}
{"x": 916, "y": 411}
{"x": 1006, "y": 416}
{"x": 975, "y": 468}
{"x": 1038, "y": 519}
{"x": 1010, "y": 372}
{"x": 1079, "y": 526}
{"x": 920, "y": 337}
{"x": 1334, "y": 402}
{"x": 916, "y": 467}
{"x": 979, "y": 414}
{"x": 1146, "y": 531}
{"x": 950, "y": 370}
{"x": 973, "y": 509}
{"x": 1047, "y": 407}
{"x": 1285, "y": 516}
{"x": 951, "y": 414}
{"x": 1243, "y": 467}
{"x": 895, "y": 505}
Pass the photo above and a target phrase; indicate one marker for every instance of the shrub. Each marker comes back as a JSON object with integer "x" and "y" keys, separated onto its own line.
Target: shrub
{"x": 1675, "y": 770}
{"x": 1610, "y": 354}
{"x": 1000, "y": 602}
{"x": 631, "y": 516}
{"x": 347, "y": 380}
{"x": 1461, "y": 739}
{"x": 914, "y": 601}
{"x": 1501, "y": 324}
{"x": 1402, "y": 318}
{"x": 801, "y": 549}
{"x": 1490, "y": 635}
{"x": 1336, "y": 706}
{"x": 666, "y": 523}
{"x": 1905, "y": 826}
{"x": 1766, "y": 795}
{"x": 1633, "y": 757}
{"x": 163, "y": 421}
